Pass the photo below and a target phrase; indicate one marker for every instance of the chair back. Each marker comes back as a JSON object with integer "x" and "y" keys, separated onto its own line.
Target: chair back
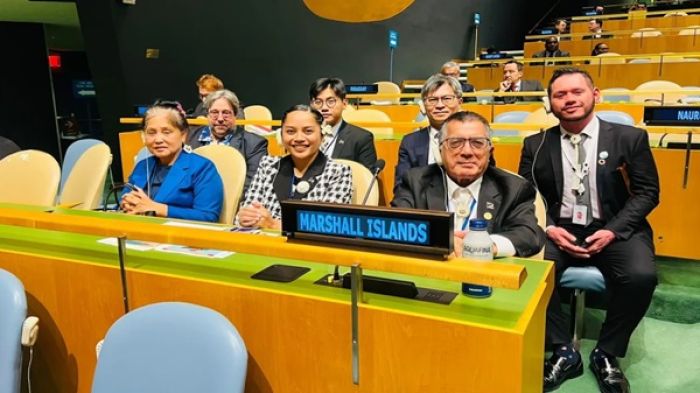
{"x": 73, "y": 153}
{"x": 13, "y": 309}
{"x": 29, "y": 177}
{"x": 174, "y": 348}
{"x": 369, "y": 115}
{"x": 231, "y": 166}
{"x": 615, "y": 94}
{"x": 142, "y": 155}
{"x": 509, "y": 117}
{"x": 361, "y": 179}
{"x": 7, "y": 147}
{"x": 384, "y": 87}
{"x": 690, "y": 30}
{"x": 646, "y": 32}
{"x": 671, "y": 97}
{"x": 86, "y": 182}
{"x": 616, "y": 117}
{"x": 257, "y": 112}
{"x": 540, "y": 116}
{"x": 608, "y": 58}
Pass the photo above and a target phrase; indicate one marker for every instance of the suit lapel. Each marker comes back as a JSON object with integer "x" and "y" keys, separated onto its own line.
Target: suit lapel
{"x": 489, "y": 200}
{"x": 283, "y": 180}
{"x": 435, "y": 192}
{"x": 340, "y": 140}
{"x": 237, "y": 140}
{"x": 554, "y": 149}
{"x": 423, "y": 147}
{"x": 179, "y": 170}
{"x": 605, "y": 144}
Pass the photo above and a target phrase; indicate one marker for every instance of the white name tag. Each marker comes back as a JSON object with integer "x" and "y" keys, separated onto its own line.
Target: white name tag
{"x": 580, "y": 216}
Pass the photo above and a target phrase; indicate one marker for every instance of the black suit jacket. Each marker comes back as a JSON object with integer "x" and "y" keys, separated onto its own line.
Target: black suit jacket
{"x": 525, "y": 85}
{"x": 413, "y": 152}
{"x": 355, "y": 144}
{"x": 625, "y": 204}
{"x": 252, "y": 147}
{"x": 556, "y": 53}
{"x": 509, "y": 199}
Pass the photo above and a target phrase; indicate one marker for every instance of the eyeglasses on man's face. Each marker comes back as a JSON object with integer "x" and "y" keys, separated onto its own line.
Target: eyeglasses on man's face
{"x": 446, "y": 100}
{"x": 318, "y": 103}
{"x": 457, "y": 143}
{"x": 214, "y": 114}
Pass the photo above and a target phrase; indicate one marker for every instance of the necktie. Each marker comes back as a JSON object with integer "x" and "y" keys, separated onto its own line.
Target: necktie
{"x": 580, "y": 185}
{"x": 462, "y": 200}
{"x": 328, "y": 138}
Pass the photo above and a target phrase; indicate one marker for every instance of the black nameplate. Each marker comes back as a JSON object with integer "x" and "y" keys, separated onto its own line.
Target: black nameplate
{"x": 672, "y": 115}
{"x": 362, "y": 89}
{"x": 407, "y": 230}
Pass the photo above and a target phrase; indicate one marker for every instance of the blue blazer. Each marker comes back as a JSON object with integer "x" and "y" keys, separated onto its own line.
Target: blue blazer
{"x": 192, "y": 189}
{"x": 413, "y": 152}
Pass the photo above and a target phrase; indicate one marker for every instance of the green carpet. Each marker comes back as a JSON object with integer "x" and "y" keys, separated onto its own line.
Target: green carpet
{"x": 663, "y": 357}
{"x": 664, "y": 353}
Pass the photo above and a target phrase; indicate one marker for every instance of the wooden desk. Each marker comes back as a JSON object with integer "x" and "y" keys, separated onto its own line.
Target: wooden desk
{"x": 634, "y": 24}
{"x": 627, "y": 76}
{"x": 297, "y": 334}
{"x": 624, "y": 45}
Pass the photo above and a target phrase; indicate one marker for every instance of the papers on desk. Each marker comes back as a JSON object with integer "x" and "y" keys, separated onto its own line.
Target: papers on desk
{"x": 139, "y": 245}
{"x": 197, "y": 226}
{"x": 136, "y": 245}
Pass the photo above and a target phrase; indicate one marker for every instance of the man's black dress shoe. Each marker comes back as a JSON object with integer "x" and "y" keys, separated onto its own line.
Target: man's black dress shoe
{"x": 609, "y": 375}
{"x": 558, "y": 369}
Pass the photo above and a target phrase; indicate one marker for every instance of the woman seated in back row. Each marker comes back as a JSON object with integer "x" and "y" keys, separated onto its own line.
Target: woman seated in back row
{"x": 173, "y": 182}
{"x": 305, "y": 173}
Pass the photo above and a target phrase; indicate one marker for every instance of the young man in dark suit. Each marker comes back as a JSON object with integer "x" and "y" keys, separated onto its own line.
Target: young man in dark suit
{"x": 441, "y": 97}
{"x": 551, "y": 49}
{"x": 600, "y": 182}
{"x": 342, "y": 140}
{"x": 513, "y": 82}
{"x": 464, "y": 182}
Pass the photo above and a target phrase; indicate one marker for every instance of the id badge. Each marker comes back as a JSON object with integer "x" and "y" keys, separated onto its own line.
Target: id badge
{"x": 580, "y": 215}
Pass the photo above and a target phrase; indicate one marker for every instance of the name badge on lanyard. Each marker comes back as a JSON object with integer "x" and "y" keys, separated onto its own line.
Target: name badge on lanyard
{"x": 580, "y": 215}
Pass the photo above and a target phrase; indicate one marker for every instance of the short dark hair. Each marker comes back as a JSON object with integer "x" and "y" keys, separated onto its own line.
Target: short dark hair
{"x": 304, "y": 108}
{"x": 552, "y": 38}
{"x": 517, "y": 63}
{"x": 598, "y": 21}
{"x": 336, "y": 84}
{"x": 558, "y": 73}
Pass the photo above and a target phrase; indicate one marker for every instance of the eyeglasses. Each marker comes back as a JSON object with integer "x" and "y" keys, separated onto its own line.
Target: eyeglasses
{"x": 318, "y": 103}
{"x": 227, "y": 114}
{"x": 457, "y": 143}
{"x": 447, "y": 100}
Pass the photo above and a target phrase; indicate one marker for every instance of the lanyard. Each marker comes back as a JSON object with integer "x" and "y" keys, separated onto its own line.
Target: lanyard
{"x": 465, "y": 223}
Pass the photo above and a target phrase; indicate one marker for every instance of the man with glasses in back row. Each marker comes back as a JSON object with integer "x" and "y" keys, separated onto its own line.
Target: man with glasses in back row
{"x": 340, "y": 140}
{"x": 222, "y": 107}
{"x": 441, "y": 96}
{"x": 463, "y": 182}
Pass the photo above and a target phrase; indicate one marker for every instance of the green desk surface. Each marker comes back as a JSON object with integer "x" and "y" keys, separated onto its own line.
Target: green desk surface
{"x": 501, "y": 311}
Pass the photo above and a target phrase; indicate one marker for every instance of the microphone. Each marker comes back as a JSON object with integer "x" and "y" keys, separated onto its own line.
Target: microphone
{"x": 376, "y": 169}
{"x": 113, "y": 191}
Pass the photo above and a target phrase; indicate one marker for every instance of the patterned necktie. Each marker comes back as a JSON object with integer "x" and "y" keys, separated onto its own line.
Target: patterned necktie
{"x": 327, "y": 140}
{"x": 580, "y": 185}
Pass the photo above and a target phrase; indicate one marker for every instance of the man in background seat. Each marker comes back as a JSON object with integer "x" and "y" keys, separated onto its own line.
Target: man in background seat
{"x": 513, "y": 83}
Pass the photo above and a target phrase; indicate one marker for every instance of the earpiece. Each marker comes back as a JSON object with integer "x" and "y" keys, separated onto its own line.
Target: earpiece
{"x": 30, "y": 331}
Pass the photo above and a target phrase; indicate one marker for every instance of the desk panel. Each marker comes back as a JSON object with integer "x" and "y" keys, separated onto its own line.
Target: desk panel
{"x": 297, "y": 334}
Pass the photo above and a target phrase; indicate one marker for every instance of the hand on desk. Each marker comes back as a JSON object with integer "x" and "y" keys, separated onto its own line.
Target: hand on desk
{"x": 137, "y": 202}
{"x": 256, "y": 215}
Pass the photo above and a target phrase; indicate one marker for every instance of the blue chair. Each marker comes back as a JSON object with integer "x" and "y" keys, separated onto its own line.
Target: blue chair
{"x": 581, "y": 280}
{"x": 13, "y": 311}
{"x": 142, "y": 155}
{"x": 509, "y": 117}
{"x": 616, "y": 117}
{"x": 174, "y": 348}
{"x": 73, "y": 153}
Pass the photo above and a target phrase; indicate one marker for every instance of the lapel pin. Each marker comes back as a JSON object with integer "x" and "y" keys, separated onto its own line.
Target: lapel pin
{"x": 602, "y": 155}
{"x": 340, "y": 141}
{"x": 303, "y": 187}
{"x": 489, "y": 205}
{"x": 488, "y": 215}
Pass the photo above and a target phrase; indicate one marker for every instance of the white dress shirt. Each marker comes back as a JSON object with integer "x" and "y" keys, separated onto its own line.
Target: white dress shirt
{"x": 434, "y": 146}
{"x": 455, "y": 194}
{"x": 590, "y": 145}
